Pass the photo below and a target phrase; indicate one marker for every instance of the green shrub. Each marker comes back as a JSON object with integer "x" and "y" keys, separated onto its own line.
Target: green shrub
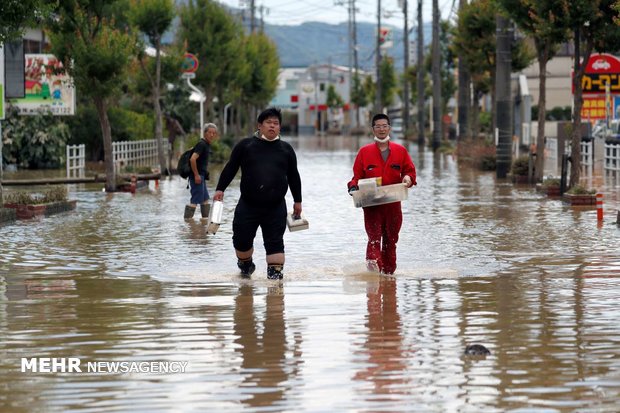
{"x": 581, "y": 190}
{"x": 53, "y": 194}
{"x": 34, "y": 142}
{"x": 128, "y": 125}
{"x": 520, "y": 166}
{"x": 551, "y": 182}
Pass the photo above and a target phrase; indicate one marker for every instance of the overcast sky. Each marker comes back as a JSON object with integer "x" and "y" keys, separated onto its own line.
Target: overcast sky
{"x": 298, "y": 11}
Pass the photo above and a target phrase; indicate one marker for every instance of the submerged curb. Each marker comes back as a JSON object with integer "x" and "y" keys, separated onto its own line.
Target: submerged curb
{"x": 23, "y": 211}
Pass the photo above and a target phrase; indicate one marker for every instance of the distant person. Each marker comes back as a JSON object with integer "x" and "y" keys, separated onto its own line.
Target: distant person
{"x": 268, "y": 169}
{"x": 390, "y": 162}
{"x": 199, "y": 162}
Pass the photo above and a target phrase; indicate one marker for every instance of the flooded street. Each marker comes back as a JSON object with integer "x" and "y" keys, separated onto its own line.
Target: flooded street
{"x": 124, "y": 278}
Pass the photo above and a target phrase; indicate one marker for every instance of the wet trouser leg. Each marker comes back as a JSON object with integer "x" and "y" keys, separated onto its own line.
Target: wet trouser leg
{"x": 393, "y": 219}
{"x": 373, "y": 225}
{"x": 382, "y": 225}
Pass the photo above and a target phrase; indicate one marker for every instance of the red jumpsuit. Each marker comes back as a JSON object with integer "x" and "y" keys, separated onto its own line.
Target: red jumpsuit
{"x": 383, "y": 222}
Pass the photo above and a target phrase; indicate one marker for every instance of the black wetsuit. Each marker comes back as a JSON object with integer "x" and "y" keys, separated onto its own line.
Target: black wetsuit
{"x": 268, "y": 169}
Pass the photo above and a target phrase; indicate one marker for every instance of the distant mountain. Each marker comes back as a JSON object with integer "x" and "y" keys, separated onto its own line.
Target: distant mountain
{"x": 315, "y": 42}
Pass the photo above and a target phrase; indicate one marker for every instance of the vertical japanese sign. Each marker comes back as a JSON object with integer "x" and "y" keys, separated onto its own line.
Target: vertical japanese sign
{"x": 1, "y": 82}
{"x": 48, "y": 89}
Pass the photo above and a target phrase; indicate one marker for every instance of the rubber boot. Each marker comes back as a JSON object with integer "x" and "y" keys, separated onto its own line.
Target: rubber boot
{"x": 247, "y": 267}
{"x": 274, "y": 272}
{"x": 189, "y": 212}
{"x": 204, "y": 210}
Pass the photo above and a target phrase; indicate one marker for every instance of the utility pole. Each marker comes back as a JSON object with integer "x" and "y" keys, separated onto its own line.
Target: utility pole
{"x": 350, "y": 53}
{"x": 502, "y": 92}
{"x": 252, "y": 13}
{"x": 262, "y": 10}
{"x": 350, "y": 60}
{"x": 355, "y": 61}
{"x": 420, "y": 77}
{"x": 378, "y": 91}
{"x": 464, "y": 93}
{"x": 436, "y": 69}
{"x": 406, "y": 70}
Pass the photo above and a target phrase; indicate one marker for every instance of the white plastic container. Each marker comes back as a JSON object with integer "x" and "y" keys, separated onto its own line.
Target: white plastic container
{"x": 215, "y": 217}
{"x": 369, "y": 184}
{"x": 380, "y": 195}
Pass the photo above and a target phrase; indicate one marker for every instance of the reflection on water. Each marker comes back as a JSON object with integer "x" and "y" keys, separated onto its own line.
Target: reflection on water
{"x": 124, "y": 278}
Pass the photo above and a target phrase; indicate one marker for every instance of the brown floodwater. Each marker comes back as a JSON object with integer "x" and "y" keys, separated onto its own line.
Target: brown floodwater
{"x": 124, "y": 278}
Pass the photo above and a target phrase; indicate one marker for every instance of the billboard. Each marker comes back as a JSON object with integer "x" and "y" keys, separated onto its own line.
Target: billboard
{"x": 47, "y": 89}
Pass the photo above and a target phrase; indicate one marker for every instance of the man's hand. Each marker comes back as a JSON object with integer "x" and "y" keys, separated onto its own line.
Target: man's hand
{"x": 197, "y": 179}
{"x": 296, "y": 209}
{"x": 407, "y": 181}
{"x": 218, "y": 196}
{"x": 353, "y": 189}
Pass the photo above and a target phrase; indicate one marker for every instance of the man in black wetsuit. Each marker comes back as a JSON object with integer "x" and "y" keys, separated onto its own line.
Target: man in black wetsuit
{"x": 268, "y": 168}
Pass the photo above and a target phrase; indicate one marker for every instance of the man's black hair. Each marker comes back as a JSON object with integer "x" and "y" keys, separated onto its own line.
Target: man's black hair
{"x": 380, "y": 116}
{"x": 270, "y": 113}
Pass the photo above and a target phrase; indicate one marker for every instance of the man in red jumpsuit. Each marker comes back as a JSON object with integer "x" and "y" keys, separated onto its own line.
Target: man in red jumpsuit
{"x": 392, "y": 163}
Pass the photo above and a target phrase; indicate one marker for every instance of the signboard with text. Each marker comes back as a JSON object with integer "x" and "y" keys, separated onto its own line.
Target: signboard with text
{"x": 48, "y": 89}
{"x": 601, "y": 87}
{"x": 603, "y": 69}
{"x": 593, "y": 108}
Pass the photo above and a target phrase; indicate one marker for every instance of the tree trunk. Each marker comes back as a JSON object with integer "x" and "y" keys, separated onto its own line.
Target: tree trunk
{"x": 543, "y": 58}
{"x": 475, "y": 115}
{"x": 163, "y": 166}
{"x": 106, "y": 132}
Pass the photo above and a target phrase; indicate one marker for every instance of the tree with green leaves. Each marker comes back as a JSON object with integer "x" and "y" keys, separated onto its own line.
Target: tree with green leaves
{"x": 358, "y": 96}
{"x": 334, "y": 100}
{"x": 368, "y": 85}
{"x": 97, "y": 55}
{"x": 474, "y": 40}
{"x": 210, "y": 33}
{"x": 546, "y": 22}
{"x": 262, "y": 59}
{"x": 17, "y": 15}
{"x": 388, "y": 81}
{"x": 594, "y": 26}
{"x": 153, "y": 18}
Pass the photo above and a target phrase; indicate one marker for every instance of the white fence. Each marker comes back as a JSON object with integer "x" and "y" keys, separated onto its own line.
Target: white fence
{"x": 612, "y": 158}
{"x": 137, "y": 153}
{"x": 587, "y": 157}
{"x": 76, "y": 159}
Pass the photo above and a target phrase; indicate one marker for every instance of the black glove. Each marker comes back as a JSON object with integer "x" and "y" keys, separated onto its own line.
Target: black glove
{"x": 207, "y": 176}
{"x": 353, "y": 189}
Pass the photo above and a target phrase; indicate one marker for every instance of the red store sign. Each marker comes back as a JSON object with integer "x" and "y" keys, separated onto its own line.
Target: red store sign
{"x": 603, "y": 69}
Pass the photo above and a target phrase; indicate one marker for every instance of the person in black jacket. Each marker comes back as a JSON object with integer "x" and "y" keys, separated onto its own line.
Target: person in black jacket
{"x": 199, "y": 162}
{"x": 268, "y": 169}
